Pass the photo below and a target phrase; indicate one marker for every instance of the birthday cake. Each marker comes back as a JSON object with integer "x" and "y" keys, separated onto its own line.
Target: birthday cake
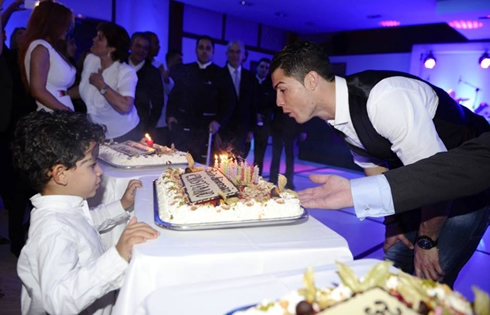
{"x": 132, "y": 154}
{"x": 227, "y": 194}
{"x": 379, "y": 292}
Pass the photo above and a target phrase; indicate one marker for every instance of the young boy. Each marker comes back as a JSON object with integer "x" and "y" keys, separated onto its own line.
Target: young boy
{"x": 64, "y": 266}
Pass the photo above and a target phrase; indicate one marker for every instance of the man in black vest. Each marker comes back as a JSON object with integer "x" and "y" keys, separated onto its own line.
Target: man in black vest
{"x": 149, "y": 90}
{"x": 200, "y": 103}
{"x": 390, "y": 119}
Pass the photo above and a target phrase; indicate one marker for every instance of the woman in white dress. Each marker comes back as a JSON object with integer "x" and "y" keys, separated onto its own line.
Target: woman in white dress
{"x": 47, "y": 74}
{"x": 108, "y": 84}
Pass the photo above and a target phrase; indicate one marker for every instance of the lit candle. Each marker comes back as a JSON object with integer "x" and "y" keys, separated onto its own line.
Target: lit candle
{"x": 215, "y": 161}
{"x": 149, "y": 140}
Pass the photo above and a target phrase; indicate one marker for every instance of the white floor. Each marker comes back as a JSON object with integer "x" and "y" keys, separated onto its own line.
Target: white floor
{"x": 366, "y": 237}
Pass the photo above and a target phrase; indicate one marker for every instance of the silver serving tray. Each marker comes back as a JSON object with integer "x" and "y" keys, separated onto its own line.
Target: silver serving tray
{"x": 303, "y": 217}
{"x": 136, "y": 167}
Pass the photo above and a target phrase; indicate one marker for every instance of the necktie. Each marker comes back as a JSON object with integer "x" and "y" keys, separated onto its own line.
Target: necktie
{"x": 237, "y": 82}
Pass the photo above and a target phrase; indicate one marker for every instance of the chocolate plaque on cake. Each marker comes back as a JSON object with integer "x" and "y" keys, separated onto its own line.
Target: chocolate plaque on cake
{"x": 207, "y": 185}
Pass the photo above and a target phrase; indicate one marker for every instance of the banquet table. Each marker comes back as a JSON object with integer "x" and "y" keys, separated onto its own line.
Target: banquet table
{"x": 190, "y": 257}
{"x": 221, "y": 297}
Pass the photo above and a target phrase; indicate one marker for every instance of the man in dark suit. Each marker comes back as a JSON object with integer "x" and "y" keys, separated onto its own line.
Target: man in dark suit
{"x": 391, "y": 119}
{"x": 200, "y": 103}
{"x": 149, "y": 90}
{"x": 266, "y": 105}
{"x": 284, "y": 131}
{"x": 238, "y": 132}
{"x": 460, "y": 172}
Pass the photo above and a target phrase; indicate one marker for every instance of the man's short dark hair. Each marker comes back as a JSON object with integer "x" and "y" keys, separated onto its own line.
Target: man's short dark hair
{"x": 205, "y": 37}
{"x": 43, "y": 140}
{"x": 301, "y": 57}
{"x": 151, "y": 34}
{"x": 171, "y": 53}
{"x": 264, "y": 60}
{"x": 143, "y": 35}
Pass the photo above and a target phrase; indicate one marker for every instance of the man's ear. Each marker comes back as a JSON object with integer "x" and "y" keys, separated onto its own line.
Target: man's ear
{"x": 311, "y": 80}
{"x": 59, "y": 174}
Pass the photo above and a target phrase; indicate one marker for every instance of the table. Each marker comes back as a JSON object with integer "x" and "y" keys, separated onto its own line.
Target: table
{"x": 187, "y": 257}
{"x": 114, "y": 182}
{"x": 220, "y": 297}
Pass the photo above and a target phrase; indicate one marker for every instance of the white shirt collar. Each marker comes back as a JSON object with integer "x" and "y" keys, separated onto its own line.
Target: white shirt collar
{"x": 232, "y": 70}
{"x": 203, "y": 66}
{"x": 342, "y": 114}
{"x": 62, "y": 204}
{"x": 157, "y": 63}
{"x": 260, "y": 80}
{"x": 57, "y": 201}
{"x": 138, "y": 66}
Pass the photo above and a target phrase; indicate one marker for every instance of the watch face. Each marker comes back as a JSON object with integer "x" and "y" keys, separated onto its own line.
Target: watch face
{"x": 425, "y": 243}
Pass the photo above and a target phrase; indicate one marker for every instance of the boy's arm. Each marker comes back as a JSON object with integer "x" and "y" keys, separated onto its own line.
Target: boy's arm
{"x": 67, "y": 287}
{"x": 107, "y": 216}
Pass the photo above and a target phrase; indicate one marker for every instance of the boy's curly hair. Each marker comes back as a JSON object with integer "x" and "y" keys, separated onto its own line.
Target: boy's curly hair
{"x": 43, "y": 140}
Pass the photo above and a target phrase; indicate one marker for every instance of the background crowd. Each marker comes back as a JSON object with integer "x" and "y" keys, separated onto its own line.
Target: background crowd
{"x": 120, "y": 84}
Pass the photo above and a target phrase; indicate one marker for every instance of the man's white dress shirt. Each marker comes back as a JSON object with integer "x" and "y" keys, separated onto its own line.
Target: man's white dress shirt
{"x": 235, "y": 76}
{"x": 65, "y": 267}
{"x": 401, "y": 110}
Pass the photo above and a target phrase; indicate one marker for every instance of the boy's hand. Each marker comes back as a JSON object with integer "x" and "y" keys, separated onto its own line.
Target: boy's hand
{"x": 127, "y": 199}
{"x": 134, "y": 233}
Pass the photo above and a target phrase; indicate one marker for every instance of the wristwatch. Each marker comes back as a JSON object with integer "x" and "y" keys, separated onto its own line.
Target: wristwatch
{"x": 425, "y": 242}
{"x": 103, "y": 90}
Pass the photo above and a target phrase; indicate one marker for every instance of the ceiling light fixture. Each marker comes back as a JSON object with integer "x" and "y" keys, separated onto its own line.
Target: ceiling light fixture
{"x": 430, "y": 61}
{"x": 484, "y": 60}
{"x": 389, "y": 23}
{"x": 465, "y": 25}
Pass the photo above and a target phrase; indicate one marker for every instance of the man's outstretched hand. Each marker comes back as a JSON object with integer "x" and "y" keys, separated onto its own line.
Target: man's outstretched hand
{"x": 334, "y": 193}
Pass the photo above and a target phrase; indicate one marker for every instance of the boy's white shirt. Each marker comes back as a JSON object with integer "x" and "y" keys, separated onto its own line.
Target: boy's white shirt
{"x": 64, "y": 266}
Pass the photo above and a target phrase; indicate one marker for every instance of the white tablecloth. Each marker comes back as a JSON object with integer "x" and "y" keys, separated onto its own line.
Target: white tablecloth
{"x": 220, "y": 297}
{"x": 186, "y": 257}
{"x": 114, "y": 182}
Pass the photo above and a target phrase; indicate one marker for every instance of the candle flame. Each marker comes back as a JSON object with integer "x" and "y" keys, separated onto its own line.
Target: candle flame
{"x": 147, "y": 136}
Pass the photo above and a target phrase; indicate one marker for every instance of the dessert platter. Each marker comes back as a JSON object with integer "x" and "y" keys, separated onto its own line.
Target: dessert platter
{"x": 143, "y": 154}
{"x": 227, "y": 195}
{"x": 380, "y": 291}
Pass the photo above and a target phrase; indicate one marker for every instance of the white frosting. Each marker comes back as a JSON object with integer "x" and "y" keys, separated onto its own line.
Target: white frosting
{"x": 118, "y": 158}
{"x": 173, "y": 207}
{"x": 340, "y": 293}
